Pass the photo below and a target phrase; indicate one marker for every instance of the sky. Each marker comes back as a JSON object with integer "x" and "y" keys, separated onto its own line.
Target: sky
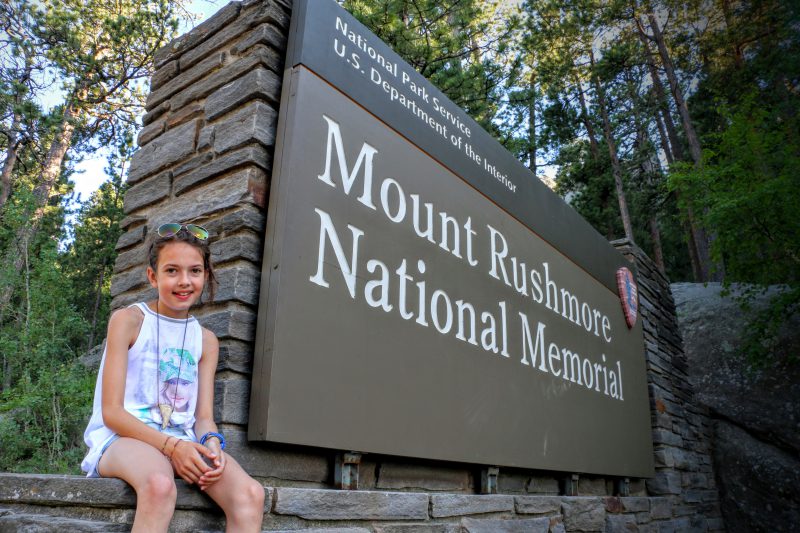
{"x": 91, "y": 173}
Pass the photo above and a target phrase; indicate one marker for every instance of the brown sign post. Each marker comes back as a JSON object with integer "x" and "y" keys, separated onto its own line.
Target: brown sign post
{"x": 422, "y": 294}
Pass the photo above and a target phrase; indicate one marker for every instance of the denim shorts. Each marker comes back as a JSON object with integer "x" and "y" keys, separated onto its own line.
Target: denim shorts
{"x": 113, "y": 438}
{"x": 179, "y": 433}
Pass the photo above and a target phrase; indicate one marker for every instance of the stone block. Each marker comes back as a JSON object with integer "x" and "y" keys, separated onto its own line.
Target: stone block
{"x": 417, "y": 528}
{"x": 132, "y": 220}
{"x": 150, "y": 132}
{"x": 667, "y": 526}
{"x": 613, "y": 505}
{"x": 633, "y": 504}
{"x": 58, "y": 490}
{"x": 443, "y": 505}
{"x": 326, "y": 530}
{"x": 239, "y": 282}
{"x": 543, "y": 485}
{"x": 240, "y": 188}
{"x": 25, "y": 522}
{"x": 164, "y": 74}
{"x": 192, "y": 164}
{"x": 171, "y": 147}
{"x": 583, "y": 513}
{"x": 557, "y": 525}
{"x": 265, "y": 34}
{"x": 255, "y": 122}
{"x": 205, "y": 139}
{"x": 592, "y": 486}
{"x": 525, "y": 525}
{"x": 185, "y": 79}
{"x": 131, "y": 237}
{"x": 242, "y": 246}
{"x": 245, "y": 218}
{"x": 638, "y": 487}
{"x": 233, "y": 323}
{"x": 660, "y": 508}
{"x": 147, "y": 192}
{"x": 394, "y": 476}
{"x": 236, "y": 356}
{"x": 182, "y": 115}
{"x": 263, "y": 12}
{"x": 510, "y": 482}
{"x": 664, "y": 482}
{"x": 133, "y": 257}
{"x": 664, "y": 436}
{"x": 621, "y": 524}
{"x": 231, "y": 401}
{"x": 209, "y": 27}
{"x": 231, "y": 71}
{"x": 537, "y": 504}
{"x": 259, "y": 83}
{"x": 320, "y": 504}
{"x": 143, "y": 294}
{"x": 154, "y": 114}
{"x": 127, "y": 280}
{"x": 255, "y": 155}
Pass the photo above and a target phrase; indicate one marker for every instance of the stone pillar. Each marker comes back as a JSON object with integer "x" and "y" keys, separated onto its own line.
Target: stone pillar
{"x": 683, "y": 488}
{"x": 205, "y": 156}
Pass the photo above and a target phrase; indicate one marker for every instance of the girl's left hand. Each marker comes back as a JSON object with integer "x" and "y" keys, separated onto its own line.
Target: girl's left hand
{"x": 217, "y": 457}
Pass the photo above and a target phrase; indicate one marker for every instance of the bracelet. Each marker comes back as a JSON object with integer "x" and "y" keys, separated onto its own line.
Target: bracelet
{"x": 210, "y": 434}
{"x": 177, "y": 441}
{"x": 163, "y": 446}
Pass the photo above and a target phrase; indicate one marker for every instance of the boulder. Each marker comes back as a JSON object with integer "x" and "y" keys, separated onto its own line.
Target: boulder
{"x": 755, "y": 412}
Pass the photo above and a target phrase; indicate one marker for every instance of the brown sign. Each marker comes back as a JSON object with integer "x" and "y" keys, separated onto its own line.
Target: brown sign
{"x": 403, "y": 312}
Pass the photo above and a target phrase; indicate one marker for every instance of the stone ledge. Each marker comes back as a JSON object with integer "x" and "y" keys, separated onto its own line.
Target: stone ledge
{"x": 61, "y": 491}
{"x": 324, "y": 504}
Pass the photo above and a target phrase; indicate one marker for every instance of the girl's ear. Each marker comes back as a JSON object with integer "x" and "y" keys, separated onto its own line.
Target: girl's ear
{"x": 151, "y": 277}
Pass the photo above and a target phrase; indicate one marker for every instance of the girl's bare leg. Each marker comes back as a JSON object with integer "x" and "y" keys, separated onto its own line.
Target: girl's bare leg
{"x": 240, "y": 496}
{"x": 151, "y": 476}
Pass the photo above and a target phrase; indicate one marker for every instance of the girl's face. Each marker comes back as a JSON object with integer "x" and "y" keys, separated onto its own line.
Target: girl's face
{"x": 179, "y": 278}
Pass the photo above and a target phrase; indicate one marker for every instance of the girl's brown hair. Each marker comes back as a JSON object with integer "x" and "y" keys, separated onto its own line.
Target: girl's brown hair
{"x": 159, "y": 242}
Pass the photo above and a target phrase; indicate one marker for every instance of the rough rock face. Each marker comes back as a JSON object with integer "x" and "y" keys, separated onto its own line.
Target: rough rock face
{"x": 756, "y": 414}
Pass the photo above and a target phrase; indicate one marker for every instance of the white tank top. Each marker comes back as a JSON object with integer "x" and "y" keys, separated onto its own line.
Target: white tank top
{"x": 169, "y": 378}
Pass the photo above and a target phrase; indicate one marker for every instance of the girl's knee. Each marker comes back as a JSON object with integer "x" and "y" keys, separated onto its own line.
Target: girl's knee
{"x": 251, "y": 496}
{"x": 158, "y": 487}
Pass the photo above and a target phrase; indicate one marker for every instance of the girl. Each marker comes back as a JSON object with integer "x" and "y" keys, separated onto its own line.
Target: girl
{"x": 153, "y": 404}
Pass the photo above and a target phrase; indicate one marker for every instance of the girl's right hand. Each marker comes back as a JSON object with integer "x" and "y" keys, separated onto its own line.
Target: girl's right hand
{"x": 187, "y": 460}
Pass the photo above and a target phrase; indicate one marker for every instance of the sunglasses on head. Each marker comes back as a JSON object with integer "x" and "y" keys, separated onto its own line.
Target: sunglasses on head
{"x": 173, "y": 228}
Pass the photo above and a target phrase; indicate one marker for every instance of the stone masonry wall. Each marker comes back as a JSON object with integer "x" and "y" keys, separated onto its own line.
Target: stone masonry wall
{"x": 205, "y": 156}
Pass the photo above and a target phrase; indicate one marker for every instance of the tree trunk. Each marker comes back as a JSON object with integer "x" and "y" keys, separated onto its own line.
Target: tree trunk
{"x": 658, "y": 251}
{"x": 51, "y": 170}
{"x": 532, "y": 122}
{"x": 661, "y": 98}
{"x": 709, "y": 271}
{"x": 677, "y": 93}
{"x": 587, "y": 123}
{"x": 616, "y": 168}
{"x": 662, "y": 137}
{"x": 11, "y": 160}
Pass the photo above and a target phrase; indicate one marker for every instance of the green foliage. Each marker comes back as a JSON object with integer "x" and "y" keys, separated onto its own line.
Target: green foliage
{"x": 55, "y": 272}
{"x": 459, "y": 45}
{"x": 42, "y": 419}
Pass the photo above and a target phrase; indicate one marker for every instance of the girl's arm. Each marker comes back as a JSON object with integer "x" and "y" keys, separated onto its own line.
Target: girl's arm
{"x": 204, "y": 412}
{"x": 123, "y": 328}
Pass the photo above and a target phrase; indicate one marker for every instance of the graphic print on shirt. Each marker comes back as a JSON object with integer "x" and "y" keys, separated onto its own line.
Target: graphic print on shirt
{"x": 177, "y": 370}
